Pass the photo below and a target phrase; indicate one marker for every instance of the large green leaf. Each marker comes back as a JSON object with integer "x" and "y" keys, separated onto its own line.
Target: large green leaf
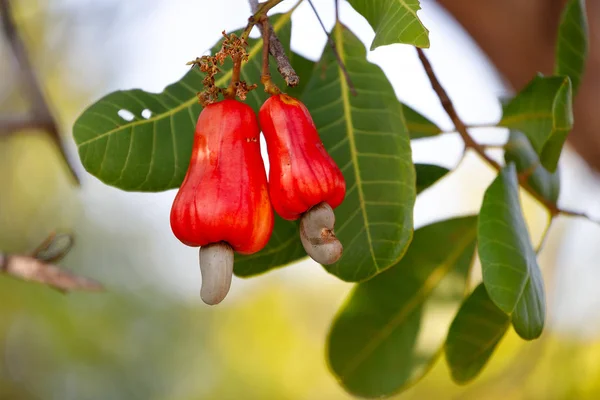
{"x": 285, "y": 247}
{"x": 418, "y": 125}
{"x": 519, "y": 150}
{"x": 394, "y": 21}
{"x": 474, "y": 334}
{"x": 543, "y": 112}
{"x": 510, "y": 271}
{"x": 152, "y": 152}
{"x": 572, "y": 43}
{"x": 367, "y": 137}
{"x": 383, "y": 338}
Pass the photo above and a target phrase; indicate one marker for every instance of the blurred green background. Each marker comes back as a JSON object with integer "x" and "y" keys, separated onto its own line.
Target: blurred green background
{"x": 149, "y": 336}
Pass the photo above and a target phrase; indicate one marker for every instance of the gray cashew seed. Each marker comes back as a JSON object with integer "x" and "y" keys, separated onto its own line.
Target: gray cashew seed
{"x": 216, "y": 268}
{"x": 317, "y": 236}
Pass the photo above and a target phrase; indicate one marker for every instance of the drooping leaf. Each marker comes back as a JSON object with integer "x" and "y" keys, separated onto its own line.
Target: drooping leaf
{"x": 428, "y": 175}
{"x": 474, "y": 334}
{"x": 543, "y": 112}
{"x": 572, "y": 43}
{"x": 510, "y": 271}
{"x": 367, "y": 137}
{"x": 394, "y": 21}
{"x": 519, "y": 151}
{"x": 418, "y": 125}
{"x": 383, "y": 340}
{"x": 141, "y": 141}
{"x": 285, "y": 247}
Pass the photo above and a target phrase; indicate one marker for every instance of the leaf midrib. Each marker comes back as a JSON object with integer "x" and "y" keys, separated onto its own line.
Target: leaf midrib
{"x": 251, "y": 54}
{"x": 430, "y": 283}
{"x": 352, "y": 144}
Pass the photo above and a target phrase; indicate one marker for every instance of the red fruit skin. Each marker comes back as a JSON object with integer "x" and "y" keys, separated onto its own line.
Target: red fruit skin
{"x": 302, "y": 174}
{"x": 224, "y": 196}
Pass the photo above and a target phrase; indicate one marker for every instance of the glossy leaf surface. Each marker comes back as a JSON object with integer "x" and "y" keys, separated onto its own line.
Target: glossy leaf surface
{"x": 510, "y": 271}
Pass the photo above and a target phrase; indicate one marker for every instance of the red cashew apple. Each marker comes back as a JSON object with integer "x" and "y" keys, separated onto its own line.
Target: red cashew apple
{"x": 303, "y": 179}
{"x": 223, "y": 203}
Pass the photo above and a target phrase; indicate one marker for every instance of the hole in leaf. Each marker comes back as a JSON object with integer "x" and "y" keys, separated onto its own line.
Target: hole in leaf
{"x": 126, "y": 115}
{"x": 146, "y": 113}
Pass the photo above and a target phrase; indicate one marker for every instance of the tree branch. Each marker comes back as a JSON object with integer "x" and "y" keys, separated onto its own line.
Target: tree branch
{"x": 38, "y": 267}
{"x": 569, "y": 213}
{"x": 12, "y": 124}
{"x": 275, "y": 47}
{"x": 41, "y": 116}
{"x": 470, "y": 143}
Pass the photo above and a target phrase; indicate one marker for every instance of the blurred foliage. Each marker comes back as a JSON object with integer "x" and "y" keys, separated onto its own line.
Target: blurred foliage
{"x": 40, "y": 196}
{"x": 268, "y": 345}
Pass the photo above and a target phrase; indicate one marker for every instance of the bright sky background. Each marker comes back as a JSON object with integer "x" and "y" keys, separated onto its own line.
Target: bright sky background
{"x": 152, "y": 52}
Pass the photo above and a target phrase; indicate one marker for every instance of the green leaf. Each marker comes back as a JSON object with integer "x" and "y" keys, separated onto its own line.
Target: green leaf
{"x": 152, "y": 154}
{"x": 394, "y": 21}
{"x": 510, "y": 271}
{"x": 285, "y": 247}
{"x": 519, "y": 151}
{"x": 367, "y": 137}
{"x": 543, "y": 112}
{"x": 473, "y": 336}
{"x": 572, "y": 44}
{"x": 428, "y": 175}
{"x": 383, "y": 340}
{"x": 418, "y": 125}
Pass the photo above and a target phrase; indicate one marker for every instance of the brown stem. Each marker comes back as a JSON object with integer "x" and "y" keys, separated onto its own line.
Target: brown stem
{"x": 334, "y": 49}
{"x": 41, "y": 116}
{"x": 261, "y": 10}
{"x": 11, "y": 124}
{"x": 231, "y": 91}
{"x": 33, "y": 270}
{"x": 569, "y": 213}
{"x": 470, "y": 143}
{"x": 38, "y": 267}
{"x": 276, "y": 48}
{"x": 270, "y": 86}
